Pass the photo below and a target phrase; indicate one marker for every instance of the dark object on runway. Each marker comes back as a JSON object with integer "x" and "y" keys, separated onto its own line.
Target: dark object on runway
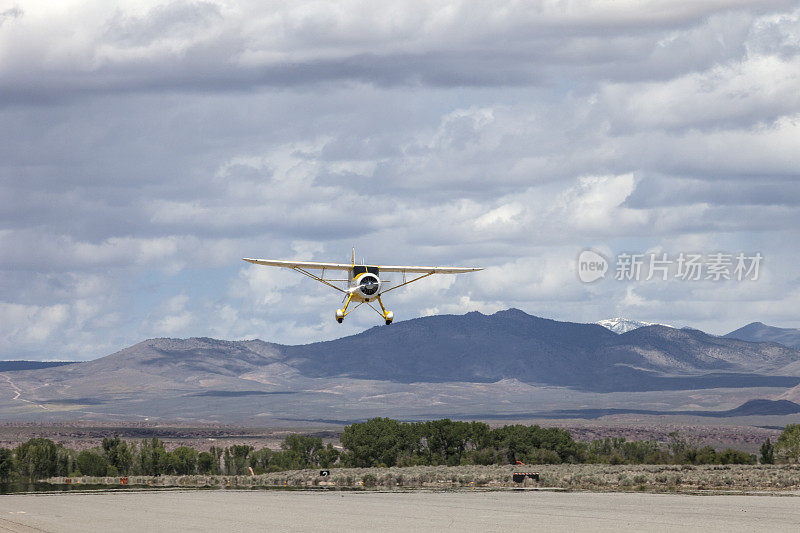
{"x": 324, "y": 473}
{"x": 519, "y": 477}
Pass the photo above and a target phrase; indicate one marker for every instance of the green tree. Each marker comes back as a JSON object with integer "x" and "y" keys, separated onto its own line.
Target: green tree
{"x": 216, "y": 452}
{"x": 525, "y": 443}
{"x": 92, "y": 463}
{"x": 767, "y": 453}
{"x": 683, "y": 449}
{"x": 301, "y": 451}
{"x": 227, "y": 461}
{"x": 205, "y": 463}
{"x": 144, "y": 459}
{"x": 706, "y": 455}
{"x": 184, "y": 460}
{"x": 118, "y": 454}
{"x": 65, "y": 461}
{"x": 328, "y": 456}
{"x": 378, "y": 441}
{"x": 6, "y": 465}
{"x": 642, "y": 452}
{"x": 262, "y": 461}
{"x": 236, "y": 459}
{"x": 788, "y": 445}
{"x": 446, "y": 441}
{"x": 480, "y": 435}
{"x": 153, "y": 458}
{"x": 37, "y": 458}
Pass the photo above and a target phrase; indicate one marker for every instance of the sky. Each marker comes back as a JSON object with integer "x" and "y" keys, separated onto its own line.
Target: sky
{"x": 149, "y": 146}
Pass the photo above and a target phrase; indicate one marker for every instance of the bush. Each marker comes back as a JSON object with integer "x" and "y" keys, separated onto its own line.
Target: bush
{"x": 736, "y": 457}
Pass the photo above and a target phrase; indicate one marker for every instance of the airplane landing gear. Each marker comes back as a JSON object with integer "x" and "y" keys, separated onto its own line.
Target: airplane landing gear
{"x": 388, "y": 316}
{"x": 341, "y": 313}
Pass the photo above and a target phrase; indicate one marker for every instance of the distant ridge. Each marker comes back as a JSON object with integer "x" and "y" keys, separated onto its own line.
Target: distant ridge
{"x": 760, "y": 332}
{"x": 11, "y": 366}
{"x": 757, "y": 407}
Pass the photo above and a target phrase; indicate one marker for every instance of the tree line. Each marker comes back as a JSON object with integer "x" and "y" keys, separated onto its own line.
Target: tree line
{"x": 381, "y": 442}
{"x": 387, "y": 442}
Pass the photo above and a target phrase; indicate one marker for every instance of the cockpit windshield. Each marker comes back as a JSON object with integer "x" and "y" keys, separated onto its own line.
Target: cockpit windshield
{"x": 360, "y": 269}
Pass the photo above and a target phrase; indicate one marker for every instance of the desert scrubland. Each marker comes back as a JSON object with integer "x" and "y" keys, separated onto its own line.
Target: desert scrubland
{"x": 592, "y": 477}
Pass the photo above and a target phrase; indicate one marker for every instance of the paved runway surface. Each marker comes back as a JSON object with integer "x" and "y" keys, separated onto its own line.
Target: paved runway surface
{"x": 407, "y": 511}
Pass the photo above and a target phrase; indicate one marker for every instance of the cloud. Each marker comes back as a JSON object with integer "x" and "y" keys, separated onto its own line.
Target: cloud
{"x": 170, "y": 317}
{"x": 757, "y": 91}
{"x": 89, "y": 47}
{"x": 10, "y": 14}
{"x": 155, "y": 144}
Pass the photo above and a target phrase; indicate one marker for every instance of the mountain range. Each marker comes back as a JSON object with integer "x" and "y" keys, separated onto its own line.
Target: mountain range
{"x": 758, "y": 332}
{"x": 494, "y": 365}
{"x": 512, "y": 344}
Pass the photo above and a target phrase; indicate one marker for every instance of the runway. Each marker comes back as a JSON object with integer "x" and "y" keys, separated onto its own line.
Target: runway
{"x": 227, "y": 510}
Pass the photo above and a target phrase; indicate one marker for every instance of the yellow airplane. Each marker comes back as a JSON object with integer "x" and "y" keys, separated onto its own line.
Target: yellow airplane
{"x": 364, "y": 284}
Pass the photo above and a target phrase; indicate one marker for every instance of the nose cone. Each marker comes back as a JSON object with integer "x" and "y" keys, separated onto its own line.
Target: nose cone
{"x": 369, "y": 285}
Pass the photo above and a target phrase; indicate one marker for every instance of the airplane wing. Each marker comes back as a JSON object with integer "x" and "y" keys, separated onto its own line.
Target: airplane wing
{"x": 304, "y": 266}
{"x": 299, "y": 264}
{"x": 348, "y": 266}
{"x": 423, "y": 272}
{"x": 428, "y": 270}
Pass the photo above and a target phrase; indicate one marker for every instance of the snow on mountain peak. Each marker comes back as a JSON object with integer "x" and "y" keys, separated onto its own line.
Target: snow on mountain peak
{"x": 623, "y": 325}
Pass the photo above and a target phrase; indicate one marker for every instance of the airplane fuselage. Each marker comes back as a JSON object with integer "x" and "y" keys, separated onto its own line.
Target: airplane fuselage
{"x": 364, "y": 283}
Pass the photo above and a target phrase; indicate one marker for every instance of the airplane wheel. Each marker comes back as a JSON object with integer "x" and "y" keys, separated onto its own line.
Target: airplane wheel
{"x": 388, "y": 322}
{"x": 340, "y": 320}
